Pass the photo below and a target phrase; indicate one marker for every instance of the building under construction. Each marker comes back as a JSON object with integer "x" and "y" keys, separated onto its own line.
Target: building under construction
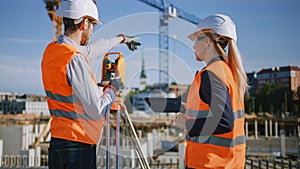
{"x": 26, "y": 137}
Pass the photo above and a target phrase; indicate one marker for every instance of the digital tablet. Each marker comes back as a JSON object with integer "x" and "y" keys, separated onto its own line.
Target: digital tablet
{"x": 164, "y": 104}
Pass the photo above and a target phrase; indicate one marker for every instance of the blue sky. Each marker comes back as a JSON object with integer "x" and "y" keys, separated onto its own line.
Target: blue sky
{"x": 268, "y": 36}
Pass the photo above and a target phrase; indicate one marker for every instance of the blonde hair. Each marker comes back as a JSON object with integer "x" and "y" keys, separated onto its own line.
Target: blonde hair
{"x": 235, "y": 62}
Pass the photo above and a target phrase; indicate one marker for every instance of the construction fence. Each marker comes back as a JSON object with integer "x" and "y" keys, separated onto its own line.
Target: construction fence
{"x": 272, "y": 164}
{"x": 18, "y": 161}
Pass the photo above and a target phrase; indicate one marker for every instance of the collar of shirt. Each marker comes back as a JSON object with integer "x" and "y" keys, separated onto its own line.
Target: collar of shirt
{"x": 63, "y": 39}
{"x": 215, "y": 59}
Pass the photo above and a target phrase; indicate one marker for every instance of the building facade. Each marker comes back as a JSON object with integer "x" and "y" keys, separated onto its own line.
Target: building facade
{"x": 36, "y": 107}
{"x": 252, "y": 78}
{"x": 12, "y": 103}
{"x": 138, "y": 101}
{"x": 288, "y": 76}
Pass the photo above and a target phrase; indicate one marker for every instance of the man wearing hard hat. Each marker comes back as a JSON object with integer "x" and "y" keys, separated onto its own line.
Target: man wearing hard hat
{"x": 214, "y": 111}
{"x": 76, "y": 107}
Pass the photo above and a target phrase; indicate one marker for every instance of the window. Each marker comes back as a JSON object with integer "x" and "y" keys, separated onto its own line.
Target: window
{"x": 293, "y": 73}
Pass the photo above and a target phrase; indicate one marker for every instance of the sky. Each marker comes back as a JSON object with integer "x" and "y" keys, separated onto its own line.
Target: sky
{"x": 268, "y": 36}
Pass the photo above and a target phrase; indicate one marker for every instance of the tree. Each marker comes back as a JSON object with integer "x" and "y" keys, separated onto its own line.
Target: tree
{"x": 296, "y": 109}
{"x": 271, "y": 108}
{"x": 271, "y": 98}
{"x": 260, "y": 108}
{"x": 248, "y": 104}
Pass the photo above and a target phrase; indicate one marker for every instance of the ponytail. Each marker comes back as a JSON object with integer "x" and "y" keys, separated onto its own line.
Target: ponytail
{"x": 235, "y": 63}
{"x": 233, "y": 59}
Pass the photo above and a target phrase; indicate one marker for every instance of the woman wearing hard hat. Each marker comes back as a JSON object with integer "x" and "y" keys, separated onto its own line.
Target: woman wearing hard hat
{"x": 76, "y": 107}
{"x": 214, "y": 112}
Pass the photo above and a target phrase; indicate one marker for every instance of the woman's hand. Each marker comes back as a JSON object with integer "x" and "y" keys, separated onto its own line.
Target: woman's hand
{"x": 180, "y": 121}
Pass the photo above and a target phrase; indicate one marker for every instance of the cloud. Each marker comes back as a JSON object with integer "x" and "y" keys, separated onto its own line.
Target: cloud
{"x": 15, "y": 79}
{"x": 22, "y": 40}
{"x": 20, "y": 74}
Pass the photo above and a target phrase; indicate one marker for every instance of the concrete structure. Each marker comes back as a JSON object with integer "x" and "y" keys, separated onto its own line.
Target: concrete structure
{"x": 16, "y": 138}
{"x": 16, "y": 145}
{"x": 270, "y": 127}
{"x": 181, "y": 152}
{"x": 1, "y": 151}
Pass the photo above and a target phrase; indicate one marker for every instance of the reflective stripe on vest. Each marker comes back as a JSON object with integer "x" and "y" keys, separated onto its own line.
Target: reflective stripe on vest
{"x": 60, "y": 98}
{"x": 206, "y": 114}
{"x": 219, "y": 141}
{"x": 70, "y": 115}
{"x": 215, "y": 140}
{"x": 198, "y": 113}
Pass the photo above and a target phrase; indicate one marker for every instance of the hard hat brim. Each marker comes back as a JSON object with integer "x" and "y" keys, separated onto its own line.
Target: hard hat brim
{"x": 95, "y": 20}
{"x": 98, "y": 22}
{"x": 194, "y": 35}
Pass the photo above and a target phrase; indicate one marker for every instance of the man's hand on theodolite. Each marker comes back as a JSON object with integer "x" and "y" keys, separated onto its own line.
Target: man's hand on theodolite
{"x": 117, "y": 84}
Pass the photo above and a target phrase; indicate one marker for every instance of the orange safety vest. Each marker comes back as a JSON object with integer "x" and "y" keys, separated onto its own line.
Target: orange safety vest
{"x": 69, "y": 119}
{"x": 226, "y": 151}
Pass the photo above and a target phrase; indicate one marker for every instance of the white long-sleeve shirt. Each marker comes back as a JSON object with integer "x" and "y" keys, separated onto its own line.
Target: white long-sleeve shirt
{"x": 79, "y": 77}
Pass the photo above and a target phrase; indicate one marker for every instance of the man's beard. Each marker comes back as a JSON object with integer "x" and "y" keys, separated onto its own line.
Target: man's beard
{"x": 198, "y": 57}
{"x": 85, "y": 38}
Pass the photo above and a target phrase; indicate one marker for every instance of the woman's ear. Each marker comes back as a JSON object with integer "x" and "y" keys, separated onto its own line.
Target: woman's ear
{"x": 207, "y": 41}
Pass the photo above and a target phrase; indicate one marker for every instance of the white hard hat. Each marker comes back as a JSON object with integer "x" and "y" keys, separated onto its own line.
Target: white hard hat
{"x": 221, "y": 24}
{"x": 76, "y": 9}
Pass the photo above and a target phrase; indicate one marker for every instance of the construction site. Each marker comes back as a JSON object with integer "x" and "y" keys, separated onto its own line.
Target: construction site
{"x": 141, "y": 137}
{"x": 26, "y": 139}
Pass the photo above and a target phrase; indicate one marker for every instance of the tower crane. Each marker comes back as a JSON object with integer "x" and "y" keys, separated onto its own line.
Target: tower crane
{"x": 167, "y": 10}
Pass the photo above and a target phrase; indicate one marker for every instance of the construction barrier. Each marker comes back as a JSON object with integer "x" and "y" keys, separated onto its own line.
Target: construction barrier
{"x": 18, "y": 161}
{"x": 272, "y": 164}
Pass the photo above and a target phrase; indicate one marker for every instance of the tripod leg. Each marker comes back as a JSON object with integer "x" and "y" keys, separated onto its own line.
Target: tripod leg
{"x": 108, "y": 139}
{"x": 118, "y": 137}
{"x": 135, "y": 141}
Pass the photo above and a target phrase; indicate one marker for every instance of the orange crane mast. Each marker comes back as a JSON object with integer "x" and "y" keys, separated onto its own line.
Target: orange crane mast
{"x": 52, "y": 6}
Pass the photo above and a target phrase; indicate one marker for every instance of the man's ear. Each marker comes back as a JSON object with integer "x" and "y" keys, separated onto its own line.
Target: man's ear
{"x": 84, "y": 24}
